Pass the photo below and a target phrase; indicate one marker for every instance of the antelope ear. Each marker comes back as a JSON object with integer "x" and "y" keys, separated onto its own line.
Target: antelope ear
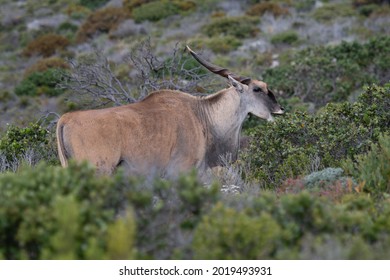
{"x": 237, "y": 85}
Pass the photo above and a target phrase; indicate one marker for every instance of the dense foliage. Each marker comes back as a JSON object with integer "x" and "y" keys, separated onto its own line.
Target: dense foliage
{"x": 32, "y": 143}
{"x": 373, "y": 168}
{"x": 238, "y": 27}
{"x": 51, "y": 212}
{"x": 54, "y": 213}
{"x": 93, "y": 4}
{"x": 299, "y": 143}
{"x": 157, "y": 10}
{"x": 40, "y": 83}
{"x": 294, "y": 226}
{"x": 325, "y": 74}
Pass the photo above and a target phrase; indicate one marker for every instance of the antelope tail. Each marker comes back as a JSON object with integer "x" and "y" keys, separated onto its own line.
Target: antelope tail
{"x": 60, "y": 144}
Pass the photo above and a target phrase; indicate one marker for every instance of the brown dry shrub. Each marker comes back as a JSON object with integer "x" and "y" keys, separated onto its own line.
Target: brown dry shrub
{"x": 46, "y": 64}
{"x": 101, "y": 21}
{"x": 264, "y": 7}
{"x": 46, "y": 45}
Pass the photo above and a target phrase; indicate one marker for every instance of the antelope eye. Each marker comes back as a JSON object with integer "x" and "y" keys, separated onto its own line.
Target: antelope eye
{"x": 257, "y": 89}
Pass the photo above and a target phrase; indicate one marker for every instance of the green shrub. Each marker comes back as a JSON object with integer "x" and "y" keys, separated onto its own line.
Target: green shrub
{"x": 106, "y": 217}
{"x": 223, "y": 44}
{"x": 373, "y": 168}
{"x": 68, "y": 30}
{"x": 331, "y": 74}
{"x": 294, "y": 226}
{"x": 102, "y": 21}
{"x": 76, "y": 11}
{"x": 287, "y": 37}
{"x": 231, "y": 235}
{"x": 329, "y": 11}
{"x": 287, "y": 147}
{"x": 157, "y": 10}
{"x": 238, "y": 27}
{"x": 154, "y": 11}
{"x": 304, "y": 5}
{"x": 67, "y": 27}
{"x": 50, "y": 212}
{"x": 367, "y": 10}
{"x": 34, "y": 225}
{"x": 167, "y": 213}
{"x": 17, "y": 143}
{"x": 93, "y": 4}
{"x": 46, "y": 45}
{"x": 40, "y": 83}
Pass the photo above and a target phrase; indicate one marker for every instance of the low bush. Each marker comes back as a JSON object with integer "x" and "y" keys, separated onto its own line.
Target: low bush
{"x": 93, "y": 4}
{"x": 222, "y": 44}
{"x": 238, "y": 27}
{"x": 167, "y": 213}
{"x": 77, "y": 12}
{"x": 373, "y": 168}
{"x": 68, "y": 30}
{"x": 304, "y": 5}
{"x": 50, "y": 212}
{"x": 154, "y": 11}
{"x": 46, "y": 45}
{"x": 157, "y": 10}
{"x": 331, "y": 74}
{"x": 228, "y": 234}
{"x": 32, "y": 143}
{"x": 40, "y": 83}
{"x": 102, "y": 21}
{"x": 330, "y": 11}
{"x": 287, "y": 37}
{"x": 67, "y": 27}
{"x": 290, "y": 146}
{"x": 367, "y": 10}
{"x": 294, "y": 226}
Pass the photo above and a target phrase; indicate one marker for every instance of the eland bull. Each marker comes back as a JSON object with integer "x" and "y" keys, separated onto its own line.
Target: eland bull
{"x": 169, "y": 131}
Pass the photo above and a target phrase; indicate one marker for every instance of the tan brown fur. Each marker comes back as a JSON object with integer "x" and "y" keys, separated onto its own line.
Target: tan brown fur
{"x": 168, "y": 132}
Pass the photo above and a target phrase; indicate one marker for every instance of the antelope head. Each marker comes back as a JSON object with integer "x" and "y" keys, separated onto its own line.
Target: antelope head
{"x": 255, "y": 95}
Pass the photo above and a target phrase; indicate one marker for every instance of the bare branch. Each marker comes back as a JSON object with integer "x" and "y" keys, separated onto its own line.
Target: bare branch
{"x": 95, "y": 77}
{"x": 97, "y": 80}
